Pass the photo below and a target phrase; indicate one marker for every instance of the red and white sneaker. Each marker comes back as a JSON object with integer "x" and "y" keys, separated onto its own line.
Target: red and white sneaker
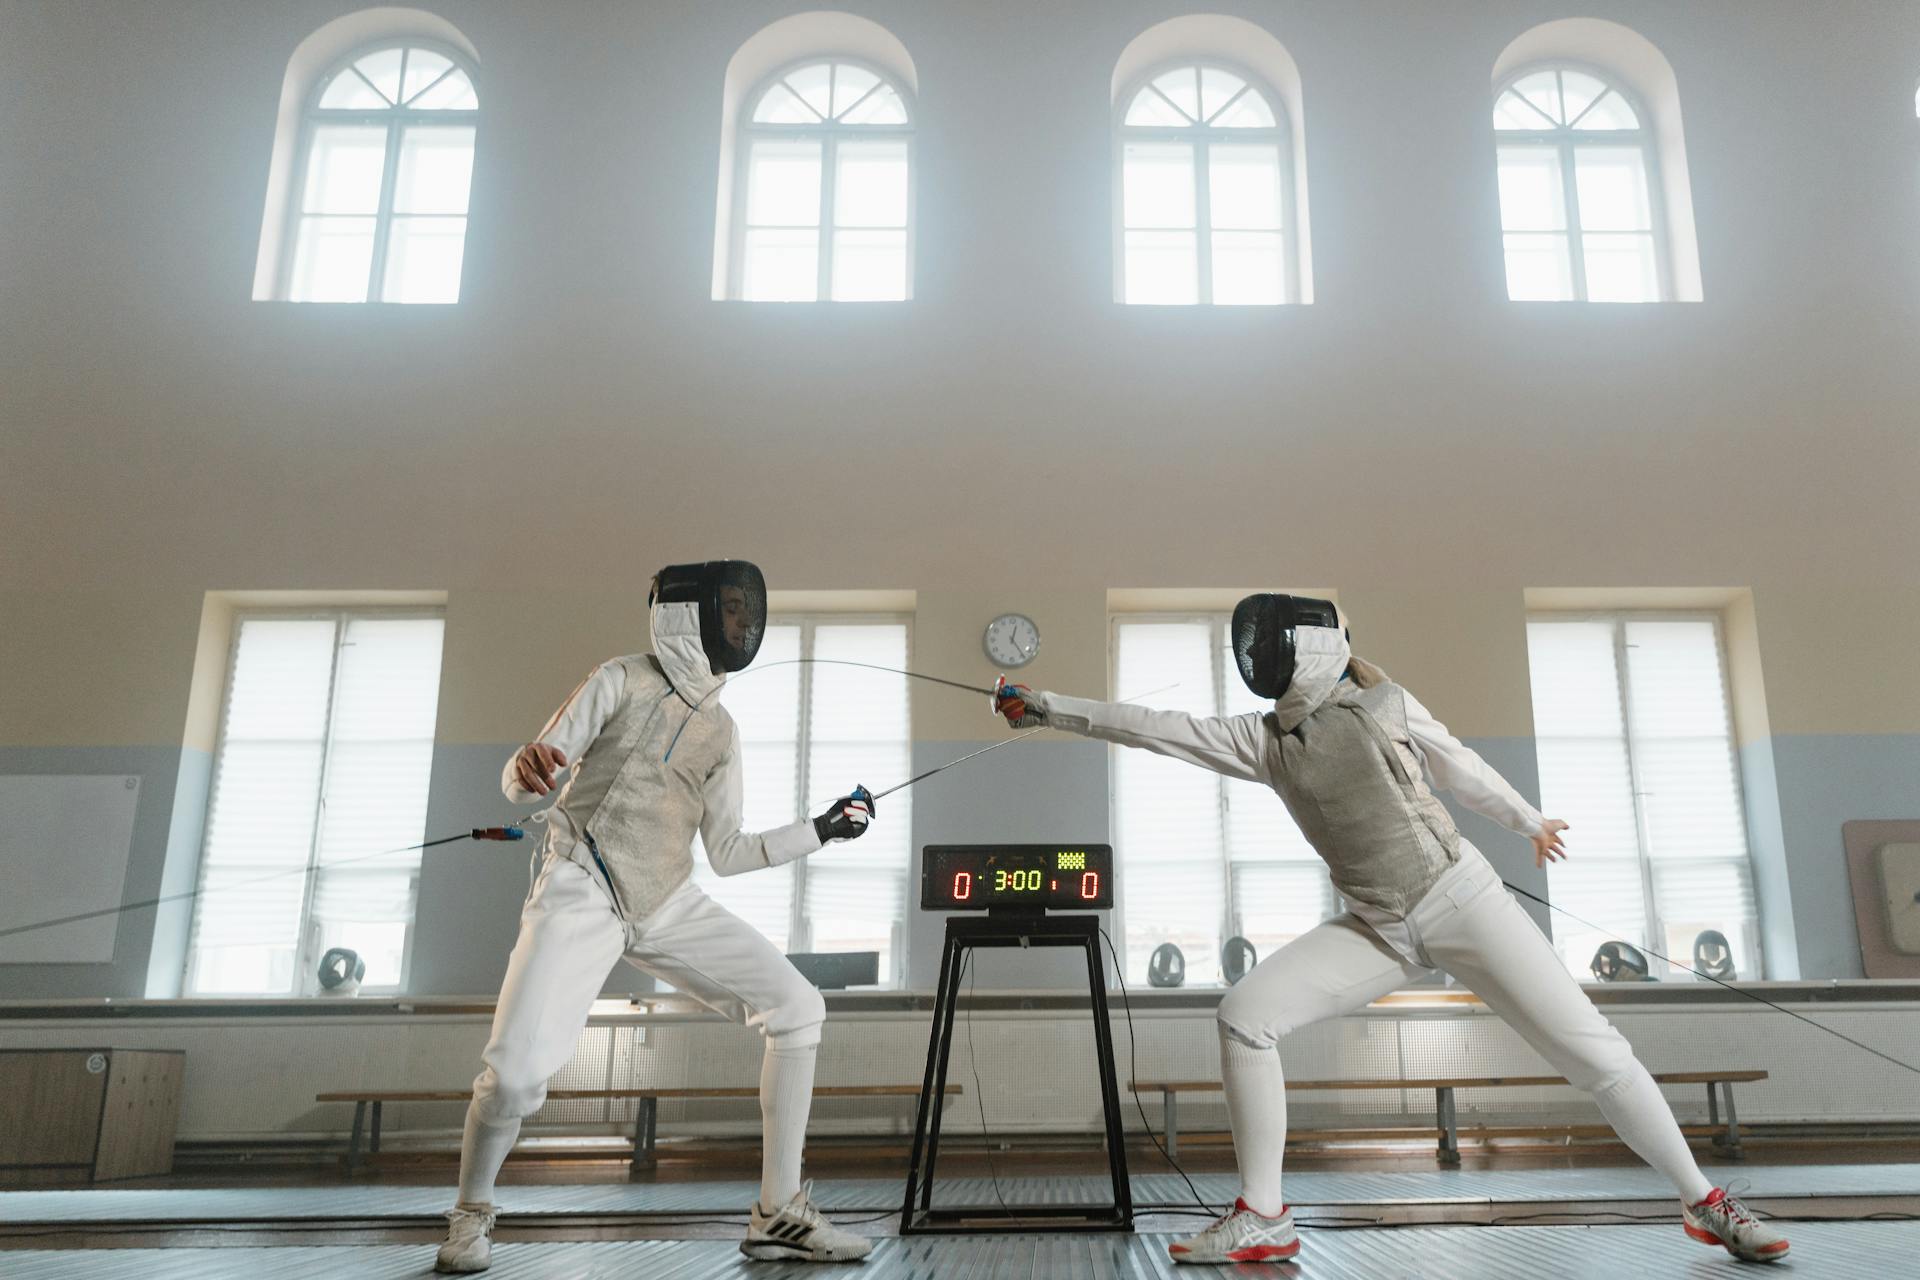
{"x": 1241, "y": 1236}
{"x": 1720, "y": 1219}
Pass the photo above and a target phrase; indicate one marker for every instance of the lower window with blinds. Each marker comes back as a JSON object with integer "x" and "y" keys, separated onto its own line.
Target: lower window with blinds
{"x": 1203, "y": 857}
{"x": 1633, "y": 728}
{"x": 319, "y": 784}
{"x": 810, "y": 731}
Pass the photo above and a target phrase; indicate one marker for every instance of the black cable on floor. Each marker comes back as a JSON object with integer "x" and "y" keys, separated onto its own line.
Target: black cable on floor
{"x": 1133, "y": 1049}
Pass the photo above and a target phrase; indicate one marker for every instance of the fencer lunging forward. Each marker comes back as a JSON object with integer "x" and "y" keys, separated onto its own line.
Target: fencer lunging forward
{"x": 654, "y": 758}
{"x": 1349, "y": 751}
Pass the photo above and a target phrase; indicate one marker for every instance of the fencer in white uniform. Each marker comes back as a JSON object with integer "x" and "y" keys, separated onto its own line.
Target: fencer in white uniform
{"x": 653, "y": 758}
{"x": 1349, "y": 752}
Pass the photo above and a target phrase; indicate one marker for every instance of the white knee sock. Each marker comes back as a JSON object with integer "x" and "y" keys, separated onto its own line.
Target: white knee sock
{"x": 1644, "y": 1121}
{"x": 786, "y": 1096}
{"x": 1257, "y": 1111}
{"x": 483, "y": 1149}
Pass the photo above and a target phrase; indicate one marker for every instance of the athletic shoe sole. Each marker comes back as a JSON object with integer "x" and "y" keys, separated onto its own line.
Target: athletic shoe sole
{"x": 776, "y": 1251}
{"x": 1704, "y": 1236}
{"x": 1257, "y": 1253}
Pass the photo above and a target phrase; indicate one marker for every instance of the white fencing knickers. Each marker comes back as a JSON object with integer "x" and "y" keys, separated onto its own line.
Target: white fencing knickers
{"x": 1469, "y": 926}
{"x": 570, "y": 938}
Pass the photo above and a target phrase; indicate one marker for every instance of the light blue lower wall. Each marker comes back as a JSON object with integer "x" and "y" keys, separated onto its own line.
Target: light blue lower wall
{"x": 1826, "y": 780}
{"x": 1799, "y": 790}
{"x": 162, "y": 776}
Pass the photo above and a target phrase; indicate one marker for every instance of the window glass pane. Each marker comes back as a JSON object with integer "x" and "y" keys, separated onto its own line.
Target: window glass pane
{"x": 1542, "y": 91}
{"x": 1621, "y": 268}
{"x": 781, "y": 105}
{"x": 783, "y": 183}
{"x": 869, "y": 266}
{"x": 435, "y": 170}
{"x": 856, "y": 893}
{"x": 814, "y": 85}
{"x": 1610, "y": 112}
{"x": 1579, "y": 90}
{"x": 1511, "y": 111}
{"x": 1249, "y": 268}
{"x": 1539, "y": 268}
{"x": 1532, "y": 195}
{"x": 781, "y": 266}
{"x": 1182, "y": 87}
{"x": 424, "y": 66}
{"x": 1167, "y": 813}
{"x": 1612, "y": 184}
{"x": 454, "y": 93}
{"x": 382, "y": 70}
{"x": 332, "y": 259}
{"x": 766, "y": 709}
{"x": 346, "y": 91}
{"x": 1149, "y": 108}
{"x": 346, "y": 164}
{"x": 423, "y": 259}
{"x": 870, "y": 183}
{"x": 882, "y": 106}
{"x": 1250, "y": 110}
{"x": 379, "y": 760}
{"x": 850, "y": 84}
{"x": 1243, "y": 191}
{"x": 1158, "y": 177}
{"x": 1162, "y": 267}
{"x": 1217, "y": 88}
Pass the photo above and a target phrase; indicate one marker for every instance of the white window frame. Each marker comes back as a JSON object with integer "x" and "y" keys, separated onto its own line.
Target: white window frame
{"x": 799, "y": 926}
{"x": 1223, "y": 670}
{"x": 828, "y": 134}
{"x": 1201, "y": 137}
{"x": 1656, "y": 929}
{"x": 306, "y": 959}
{"x": 1567, "y": 140}
{"x": 395, "y": 119}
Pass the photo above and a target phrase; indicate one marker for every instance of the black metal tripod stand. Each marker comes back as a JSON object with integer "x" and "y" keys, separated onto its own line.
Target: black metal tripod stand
{"x": 1013, "y": 929}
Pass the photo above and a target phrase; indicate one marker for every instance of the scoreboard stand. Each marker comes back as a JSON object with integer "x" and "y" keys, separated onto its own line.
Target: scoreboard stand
{"x": 1015, "y": 917}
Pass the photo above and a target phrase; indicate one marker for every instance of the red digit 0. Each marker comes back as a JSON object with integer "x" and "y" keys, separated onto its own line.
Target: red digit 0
{"x": 962, "y": 886}
{"x": 1090, "y": 885}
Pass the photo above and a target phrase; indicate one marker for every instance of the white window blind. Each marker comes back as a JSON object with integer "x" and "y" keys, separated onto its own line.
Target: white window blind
{"x": 325, "y": 750}
{"x": 811, "y": 732}
{"x": 1636, "y": 750}
{"x": 1202, "y": 857}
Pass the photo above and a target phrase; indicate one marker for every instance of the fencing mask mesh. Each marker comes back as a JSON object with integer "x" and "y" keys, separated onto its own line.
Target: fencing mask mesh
{"x": 1263, "y": 637}
{"x": 732, "y": 599}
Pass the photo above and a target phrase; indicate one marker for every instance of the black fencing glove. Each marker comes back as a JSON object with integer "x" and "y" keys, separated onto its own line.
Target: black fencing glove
{"x": 846, "y": 818}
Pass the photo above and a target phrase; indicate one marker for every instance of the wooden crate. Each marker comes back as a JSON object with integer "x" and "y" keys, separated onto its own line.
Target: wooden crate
{"x": 88, "y": 1114}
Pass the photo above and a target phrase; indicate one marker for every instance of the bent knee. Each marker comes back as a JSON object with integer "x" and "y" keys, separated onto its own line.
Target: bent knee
{"x": 1241, "y": 1020}
{"x": 796, "y": 1021}
{"x": 508, "y": 1095}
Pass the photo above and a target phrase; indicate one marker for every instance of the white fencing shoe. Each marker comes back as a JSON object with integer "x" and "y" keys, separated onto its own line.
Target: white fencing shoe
{"x": 1241, "y": 1236}
{"x": 799, "y": 1233}
{"x": 469, "y": 1245}
{"x": 1720, "y": 1219}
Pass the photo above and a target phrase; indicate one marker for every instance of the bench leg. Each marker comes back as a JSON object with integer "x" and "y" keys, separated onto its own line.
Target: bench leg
{"x": 645, "y": 1135}
{"x": 353, "y": 1143}
{"x": 1713, "y": 1105}
{"x": 1170, "y": 1122}
{"x": 373, "y": 1135}
{"x": 1728, "y": 1143}
{"x": 1449, "y": 1153}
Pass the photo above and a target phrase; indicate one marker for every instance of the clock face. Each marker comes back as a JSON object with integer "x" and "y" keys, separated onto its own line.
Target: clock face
{"x": 1012, "y": 640}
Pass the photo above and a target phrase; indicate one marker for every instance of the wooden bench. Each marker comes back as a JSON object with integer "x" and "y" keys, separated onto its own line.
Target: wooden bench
{"x": 1719, "y": 1084}
{"x": 645, "y": 1119}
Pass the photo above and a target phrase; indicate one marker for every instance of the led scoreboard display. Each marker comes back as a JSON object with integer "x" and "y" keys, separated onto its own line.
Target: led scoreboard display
{"x": 982, "y": 877}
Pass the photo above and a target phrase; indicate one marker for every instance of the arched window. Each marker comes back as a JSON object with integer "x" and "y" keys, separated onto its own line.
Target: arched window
{"x": 1579, "y": 206}
{"x": 1205, "y": 189}
{"x": 378, "y": 207}
{"x": 824, "y": 197}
